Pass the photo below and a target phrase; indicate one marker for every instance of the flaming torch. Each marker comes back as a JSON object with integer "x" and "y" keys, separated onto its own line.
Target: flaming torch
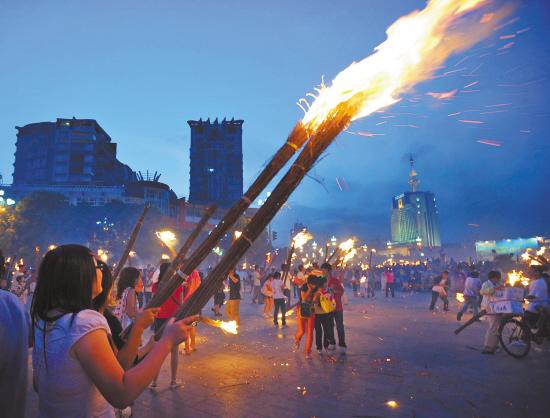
{"x": 299, "y": 240}
{"x": 416, "y": 45}
{"x": 228, "y": 327}
{"x": 167, "y": 239}
{"x": 517, "y": 277}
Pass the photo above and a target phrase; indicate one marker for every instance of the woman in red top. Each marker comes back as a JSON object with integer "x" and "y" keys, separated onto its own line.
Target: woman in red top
{"x": 167, "y": 310}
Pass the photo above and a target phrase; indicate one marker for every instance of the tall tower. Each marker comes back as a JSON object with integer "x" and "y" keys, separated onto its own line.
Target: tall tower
{"x": 415, "y": 216}
{"x": 413, "y": 176}
{"x": 216, "y": 172}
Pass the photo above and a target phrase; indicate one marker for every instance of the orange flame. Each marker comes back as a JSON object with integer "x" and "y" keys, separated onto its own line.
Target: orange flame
{"x": 416, "y": 45}
{"x": 301, "y": 238}
{"x": 517, "y": 276}
{"x": 228, "y": 327}
{"x": 460, "y": 297}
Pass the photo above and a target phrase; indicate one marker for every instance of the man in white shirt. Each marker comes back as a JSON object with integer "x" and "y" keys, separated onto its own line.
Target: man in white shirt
{"x": 472, "y": 286}
{"x": 487, "y": 290}
{"x": 256, "y": 283}
{"x": 277, "y": 286}
{"x": 538, "y": 298}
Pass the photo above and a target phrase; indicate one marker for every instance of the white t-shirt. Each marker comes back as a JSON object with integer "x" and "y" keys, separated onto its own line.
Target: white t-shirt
{"x": 14, "y": 331}
{"x": 256, "y": 276}
{"x": 64, "y": 388}
{"x": 277, "y": 285}
{"x": 539, "y": 289}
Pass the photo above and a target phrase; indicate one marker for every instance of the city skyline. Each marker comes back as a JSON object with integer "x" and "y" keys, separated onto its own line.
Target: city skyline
{"x": 170, "y": 76}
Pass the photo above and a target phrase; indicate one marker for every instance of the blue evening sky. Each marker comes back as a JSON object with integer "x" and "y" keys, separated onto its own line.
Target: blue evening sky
{"x": 143, "y": 68}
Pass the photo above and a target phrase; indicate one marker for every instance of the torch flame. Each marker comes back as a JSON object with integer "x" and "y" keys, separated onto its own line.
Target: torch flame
{"x": 229, "y": 327}
{"x": 416, "y": 45}
{"x": 301, "y": 239}
{"x": 347, "y": 245}
{"x": 166, "y": 236}
{"x": 349, "y": 255}
{"x": 460, "y": 297}
{"x": 517, "y": 276}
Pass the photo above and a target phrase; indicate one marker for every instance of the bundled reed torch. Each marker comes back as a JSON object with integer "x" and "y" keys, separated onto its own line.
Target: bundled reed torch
{"x": 416, "y": 45}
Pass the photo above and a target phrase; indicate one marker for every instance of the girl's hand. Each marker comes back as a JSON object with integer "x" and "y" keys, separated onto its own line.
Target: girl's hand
{"x": 176, "y": 332}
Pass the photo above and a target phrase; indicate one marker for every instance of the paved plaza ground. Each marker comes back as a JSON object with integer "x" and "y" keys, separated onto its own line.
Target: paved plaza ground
{"x": 398, "y": 351}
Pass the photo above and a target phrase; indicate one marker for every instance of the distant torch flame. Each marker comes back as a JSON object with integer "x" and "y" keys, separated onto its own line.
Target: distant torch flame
{"x": 416, "y": 45}
{"x": 166, "y": 237}
{"x": 460, "y": 297}
{"x": 517, "y": 277}
{"x": 237, "y": 234}
{"x": 349, "y": 255}
{"x": 301, "y": 238}
{"x": 347, "y": 245}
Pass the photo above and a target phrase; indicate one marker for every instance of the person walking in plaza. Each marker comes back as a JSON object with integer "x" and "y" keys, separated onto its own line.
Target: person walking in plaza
{"x": 472, "y": 286}
{"x": 390, "y": 282}
{"x": 494, "y": 320}
{"x": 439, "y": 290}
{"x": 371, "y": 283}
{"x": 383, "y": 282}
{"x": 278, "y": 289}
{"x": 338, "y": 291}
{"x": 76, "y": 372}
{"x": 256, "y": 283}
{"x": 267, "y": 292}
{"x": 305, "y": 313}
{"x": 232, "y": 309}
{"x": 167, "y": 310}
{"x": 287, "y": 285}
{"x": 299, "y": 280}
{"x": 324, "y": 322}
{"x": 127, "y": 305}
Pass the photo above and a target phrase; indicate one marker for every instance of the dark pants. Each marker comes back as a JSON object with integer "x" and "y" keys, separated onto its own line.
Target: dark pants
{"x": 390, "y": 287}
{"x": 279, "y": 303}
{"x": 436, "y": 295}
{"x": 339, "y": 320}
{"x": 324, "y": 330}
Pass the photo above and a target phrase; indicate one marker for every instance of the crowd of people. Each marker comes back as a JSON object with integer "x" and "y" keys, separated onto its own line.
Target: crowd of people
{"x": 73, "y": 313}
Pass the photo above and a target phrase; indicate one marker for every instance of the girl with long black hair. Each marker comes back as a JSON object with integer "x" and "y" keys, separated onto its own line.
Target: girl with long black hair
{"x": 76, "y": 372}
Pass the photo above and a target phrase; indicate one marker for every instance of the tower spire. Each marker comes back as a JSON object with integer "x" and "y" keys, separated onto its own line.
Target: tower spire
{"x": 413, "y": 176}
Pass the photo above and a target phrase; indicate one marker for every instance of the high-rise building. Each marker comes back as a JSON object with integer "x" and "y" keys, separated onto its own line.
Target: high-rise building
{"x": 216, "y": 173}
{"x": 414, "y": 216}
{"x": 66, "y": 152}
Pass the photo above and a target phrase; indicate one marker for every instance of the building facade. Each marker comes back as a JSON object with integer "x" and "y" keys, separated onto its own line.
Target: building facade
{"x": 77, "y": 158}
{"x": 67, "y": 152}
{"x": 415, "y": 217}
{"x": 216, "y": 170}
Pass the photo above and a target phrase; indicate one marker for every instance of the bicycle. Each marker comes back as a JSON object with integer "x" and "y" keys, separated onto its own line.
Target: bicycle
{"x": 516, "y": 333}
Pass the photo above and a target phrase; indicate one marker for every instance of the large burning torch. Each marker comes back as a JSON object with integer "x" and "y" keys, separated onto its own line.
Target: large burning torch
{"x": 416, "y": 45}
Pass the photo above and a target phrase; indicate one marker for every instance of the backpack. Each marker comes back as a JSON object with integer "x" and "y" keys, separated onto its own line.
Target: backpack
{"x": 327, "y": 302}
